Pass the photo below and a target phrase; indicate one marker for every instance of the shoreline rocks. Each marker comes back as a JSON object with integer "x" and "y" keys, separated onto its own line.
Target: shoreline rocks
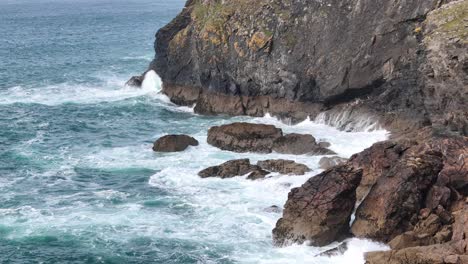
{"x": 288, "y": 167}
{"x": 300, "y": 144}
{"x": 326, "y": 163}
{"x": 408, "y": 72}
{"x": 135, "y": 81}
{"x": 228, "y": 169}
{"x": 244, "y": 137}
{"x": 320, "y": 210}
{"x": 248, "y": 137}
{"x": 243, "y": 167}
{"x": 174, "y": 143}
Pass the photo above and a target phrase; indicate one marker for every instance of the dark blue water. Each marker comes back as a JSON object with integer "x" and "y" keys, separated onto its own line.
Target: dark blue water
{"x": 78, "y": 180}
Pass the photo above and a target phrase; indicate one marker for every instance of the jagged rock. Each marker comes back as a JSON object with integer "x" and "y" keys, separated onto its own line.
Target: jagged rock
{"x": 426, "y": 232}
{"x": 244, "y": 137}
{"x": 326, "y": 163}
{"x": 320, "y": 210}
{"x": 284, "y": 167}
{"x": 229, "y": 169}
{"x": 174, "y": 143}
{"x": 258, "y": 174}
{"x": 299, "y": 144}
{"x": 375, "y": 160}
{"x": 135, "y": 81}
{"x": 393, "y": 204}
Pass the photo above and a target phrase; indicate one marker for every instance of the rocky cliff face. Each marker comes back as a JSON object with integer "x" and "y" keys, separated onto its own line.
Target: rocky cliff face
{"x": 399, "y": 61}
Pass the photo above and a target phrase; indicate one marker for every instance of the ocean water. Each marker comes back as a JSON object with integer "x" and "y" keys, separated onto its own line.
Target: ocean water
{"x": 79, "y": 182}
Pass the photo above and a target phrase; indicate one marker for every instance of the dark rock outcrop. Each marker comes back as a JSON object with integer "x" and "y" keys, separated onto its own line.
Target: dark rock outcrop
{"x": 244, "y": 137}
{"x": 229, "y": 169}
{"x": 320, "y": 210}
{"x": 174, "y": 143}
{"x": 405, "y": 64}
{"x": 299, "y": 144}
{"x": 135, "y": 81}
{"x": 247, "y": 137}
{"x": 289, "y": 167}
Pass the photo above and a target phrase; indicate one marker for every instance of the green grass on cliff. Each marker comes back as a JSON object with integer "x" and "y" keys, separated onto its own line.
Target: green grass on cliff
{"x": 452, "y": 20}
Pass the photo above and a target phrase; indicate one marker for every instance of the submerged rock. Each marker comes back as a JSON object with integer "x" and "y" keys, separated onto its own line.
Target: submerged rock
{"x": 320, "y": 210}
{"x": 135, "y": 81}
{"x": 174, "y": 143}
{"x": 299, "y": 144}
{"x": 244, "y": 137}
{"x": 339, "y": 250}
{"x": 289, "y": 167}
{"x": 326, "y": 163}
{"x": 273, "y": 209}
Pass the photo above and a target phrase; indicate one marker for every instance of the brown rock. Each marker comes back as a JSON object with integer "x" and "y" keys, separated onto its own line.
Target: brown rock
{"x": 299, "y": 144}
{"x": 174, "y": 143}
{"x": 229, "y": 169}
{"x": 434, "y": 254}
{"x": 326, "y": 163}
{"x": 320, "y": 210}
{"x": 289, "y": 167}
{"x": 244, "y": 137}
{"x": 460, "y": 225}
{"x": 438, "y": 195}
{"x": 393, "y": 204}
{"x": 375, "y": 160}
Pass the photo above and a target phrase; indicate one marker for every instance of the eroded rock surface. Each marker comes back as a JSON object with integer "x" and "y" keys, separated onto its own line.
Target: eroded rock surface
{"x": 299, "y": 144}
{"x": 388, "y": 209}
{"x": 244, "y": 137}
{"x": 289, "y": 167}
{"x": 320, "y": 210}
{"x": 229, "y": 169}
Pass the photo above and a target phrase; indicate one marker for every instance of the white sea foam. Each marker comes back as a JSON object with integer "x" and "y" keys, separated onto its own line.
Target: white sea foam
{"x": 112, "y": 89}
{"x": 211, "y": 212}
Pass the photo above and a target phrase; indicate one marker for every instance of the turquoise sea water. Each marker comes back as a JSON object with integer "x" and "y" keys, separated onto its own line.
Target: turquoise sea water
{"x": 78, "y": 180}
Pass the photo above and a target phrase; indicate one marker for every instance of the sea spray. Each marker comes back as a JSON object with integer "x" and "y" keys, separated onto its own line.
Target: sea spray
{"x": 151, "y": 82}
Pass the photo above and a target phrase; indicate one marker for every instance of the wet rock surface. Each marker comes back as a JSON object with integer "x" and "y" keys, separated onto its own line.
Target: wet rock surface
{"x": 326, "y": 163}
{"x": 320, "y": 210}
{"x": 244, "y": 137}
{"x": 135, "y": 81}
{"x": 299, "y": 144}
{"x": 229, "y": 169}
{"x": 242, "y": 167}
{"x": 174, "y": 143}
{"x": 407, "y": 71}
{"x": 289, "y": 167}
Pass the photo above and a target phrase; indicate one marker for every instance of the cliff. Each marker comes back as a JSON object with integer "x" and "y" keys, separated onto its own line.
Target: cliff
{"x": 403, "y": 62}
